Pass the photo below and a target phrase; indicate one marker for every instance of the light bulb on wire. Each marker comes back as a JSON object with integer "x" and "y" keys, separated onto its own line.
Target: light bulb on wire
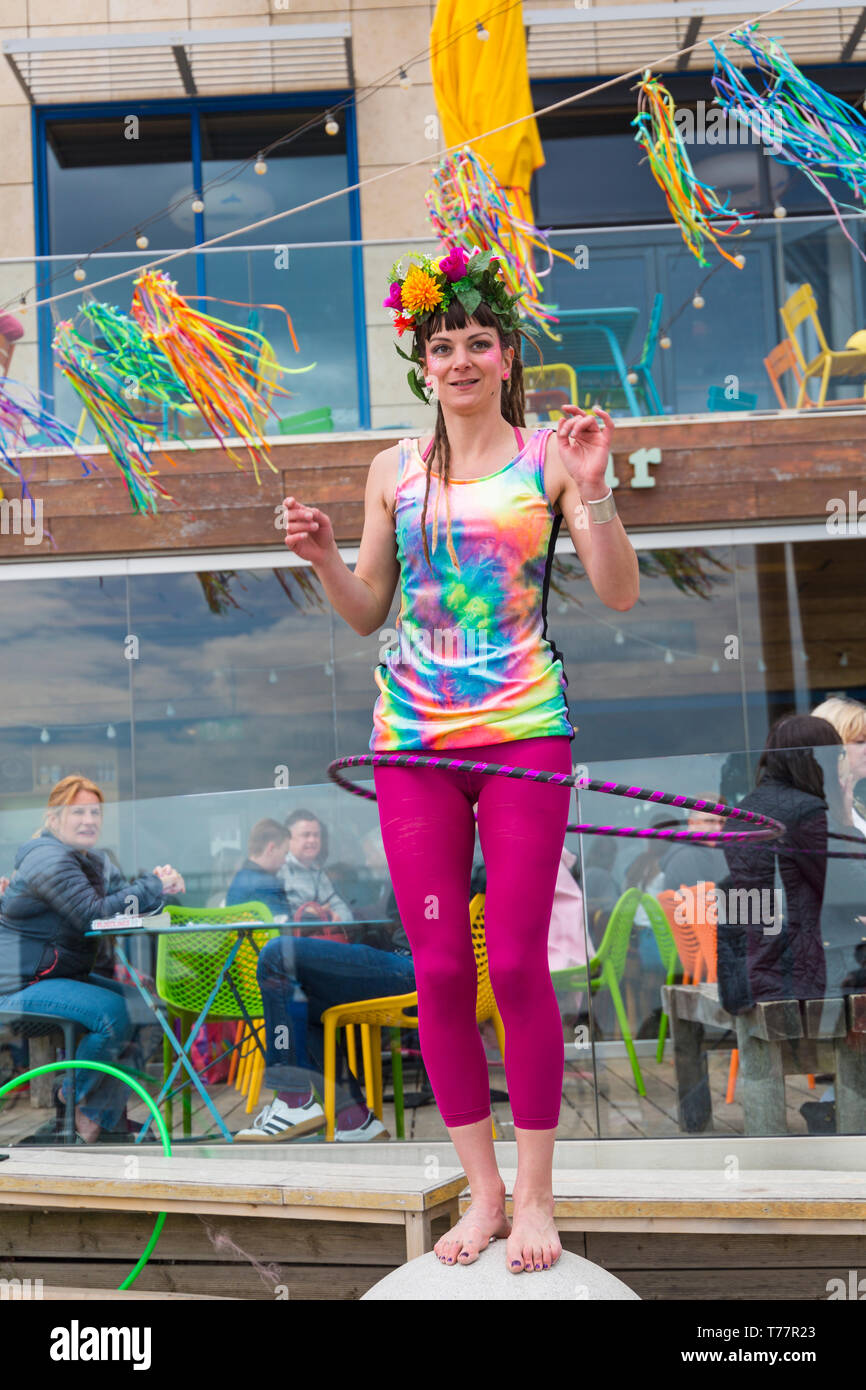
{"x": 197, "y": 205}
{"x": 618, "y": 638}
{"x": 260, "y": 167}
{"x": 142, "y": 242}
{"x": 779, "y": 211}
{"x": 405, "y": 80}
{"x": 698, "y": 302}
{"x": 669, "y": 657}
{"x": 481, "y": 32}
{"x": 79, "y": 273}
{"x": 664, "y": 342}
{"x": 331, "y": 124}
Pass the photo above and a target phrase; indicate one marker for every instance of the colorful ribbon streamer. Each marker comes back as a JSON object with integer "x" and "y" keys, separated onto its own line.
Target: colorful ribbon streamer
{"x": 91, "y": 375}
{"x": 226, "y": 370}
{"x": 691, "y": 203}
{"x": 25, "y": 424}
{"x": 468, "y": 207}
{"x": 801, "y": 124}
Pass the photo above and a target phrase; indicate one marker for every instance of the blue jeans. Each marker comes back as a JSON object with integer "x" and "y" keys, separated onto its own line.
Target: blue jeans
{"x": 106, "y": 1009}
{"x": 328, "y": 972}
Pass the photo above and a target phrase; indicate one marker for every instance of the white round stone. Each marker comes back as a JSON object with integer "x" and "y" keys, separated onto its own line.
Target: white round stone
{"x": 488, "y": 1279}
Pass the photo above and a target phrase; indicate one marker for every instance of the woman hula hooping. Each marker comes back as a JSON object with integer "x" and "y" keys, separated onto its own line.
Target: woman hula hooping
{"x": 473, "y": 670}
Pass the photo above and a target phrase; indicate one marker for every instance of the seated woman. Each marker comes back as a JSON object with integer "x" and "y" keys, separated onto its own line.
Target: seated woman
{"x": 60, "y": 884}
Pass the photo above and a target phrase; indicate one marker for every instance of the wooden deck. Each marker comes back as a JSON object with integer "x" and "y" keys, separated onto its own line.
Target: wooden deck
{"x": 619, "y": 1112}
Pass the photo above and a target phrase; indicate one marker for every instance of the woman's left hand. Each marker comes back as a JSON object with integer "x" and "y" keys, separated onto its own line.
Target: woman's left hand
{"x": 584, "y": 442}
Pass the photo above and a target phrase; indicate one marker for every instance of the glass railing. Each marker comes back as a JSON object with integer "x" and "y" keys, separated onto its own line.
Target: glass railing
{"x": 726, "y": 991}
{"x": 644, "y": 328}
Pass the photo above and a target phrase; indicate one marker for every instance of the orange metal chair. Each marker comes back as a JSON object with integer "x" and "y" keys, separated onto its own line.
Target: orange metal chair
{"x": 783, "y": 359}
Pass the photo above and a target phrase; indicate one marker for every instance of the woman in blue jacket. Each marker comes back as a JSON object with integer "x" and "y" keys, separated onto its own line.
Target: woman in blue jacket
{"x": 60, "y": 884}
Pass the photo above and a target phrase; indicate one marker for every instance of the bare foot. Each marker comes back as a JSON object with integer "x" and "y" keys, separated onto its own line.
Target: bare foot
{"x": 484, "y": 1218}
{"x": 534, "y": 1242}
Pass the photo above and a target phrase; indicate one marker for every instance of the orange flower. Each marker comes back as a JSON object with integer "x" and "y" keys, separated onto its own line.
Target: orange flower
{"x": 420, "y": 292}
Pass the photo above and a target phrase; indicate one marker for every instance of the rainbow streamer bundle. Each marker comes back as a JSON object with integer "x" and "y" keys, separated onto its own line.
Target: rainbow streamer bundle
{"x": 692, "y": 204}
{"x": 469, "y": 208}
{"x": 227, "y": 371}
{"x": 109, "y": 404}
{"x": 800, "y": 123}
{"x": 145, "y": 370}
{"x": 26, "y": 424}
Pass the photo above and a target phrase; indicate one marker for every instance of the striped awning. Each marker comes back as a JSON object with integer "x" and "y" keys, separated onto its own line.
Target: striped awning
{"x": 607, "y": 40}
{"x": 165, "y": 63}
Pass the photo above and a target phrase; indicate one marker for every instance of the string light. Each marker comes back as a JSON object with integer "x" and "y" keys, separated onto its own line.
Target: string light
{"x": 698, "y": 301}
{"x": 480, "y": 31}
{"x": 715, "y": 668}
{"x": 332, "y": 126}
{"x": 197, "y": 205}
{"x": 669, "y": 657}
{"x": 762, "y": 665}
{"x": 843, "y": 659}
{"x": 664, "y": 342}
{"x": 111, "y": 732}
{"x": 405, "y": 80}
{"x": 169, "y": 710}
{"x": 779, "y": 211}
{"x": 45, "y": 737}
{"x": 142, "y": 242}
{"x": 260, "y": 167}
{"x": 79, "y": 273}
{"x": 618, "y": 638}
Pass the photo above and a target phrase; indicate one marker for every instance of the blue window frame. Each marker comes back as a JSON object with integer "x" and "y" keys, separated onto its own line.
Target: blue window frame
{"x": 320, "y": 267}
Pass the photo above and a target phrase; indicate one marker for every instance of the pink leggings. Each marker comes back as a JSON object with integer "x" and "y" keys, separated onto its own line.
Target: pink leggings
{"x": 428, "y": 830}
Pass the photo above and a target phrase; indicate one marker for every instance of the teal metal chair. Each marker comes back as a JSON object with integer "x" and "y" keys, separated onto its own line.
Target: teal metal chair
{"x": 668, "y": 952}
{"x": 717, "y": 400}
{"x": 646, "y": 386}
{"x": 606, "y": 968}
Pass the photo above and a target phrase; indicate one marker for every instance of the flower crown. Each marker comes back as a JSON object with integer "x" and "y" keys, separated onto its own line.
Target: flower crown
{"x": 430, "y": 286}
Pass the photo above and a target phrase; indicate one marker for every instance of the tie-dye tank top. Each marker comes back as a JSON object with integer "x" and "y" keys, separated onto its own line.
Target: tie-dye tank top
{"x": 470, "y": 661}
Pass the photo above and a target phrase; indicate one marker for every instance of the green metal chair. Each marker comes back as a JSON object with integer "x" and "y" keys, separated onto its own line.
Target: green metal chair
{"x": 606, "y": 968}
{"x": 668, "y": 952}
{"x": 318, "y": 421}
{"x": 187, "y": 968}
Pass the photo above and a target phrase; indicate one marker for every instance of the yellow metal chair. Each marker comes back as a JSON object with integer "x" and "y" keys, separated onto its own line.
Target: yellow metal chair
{"x": 396, "y": 1012}
{"x": 799, "y": 308}
{"x": 549, "y": 387}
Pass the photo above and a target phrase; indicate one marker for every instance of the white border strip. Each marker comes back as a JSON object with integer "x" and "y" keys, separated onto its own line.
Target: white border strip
{"x": 187, "y": 562}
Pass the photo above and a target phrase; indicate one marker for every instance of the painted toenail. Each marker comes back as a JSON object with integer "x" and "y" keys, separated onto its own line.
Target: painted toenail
{"x": 514, "y": 1264}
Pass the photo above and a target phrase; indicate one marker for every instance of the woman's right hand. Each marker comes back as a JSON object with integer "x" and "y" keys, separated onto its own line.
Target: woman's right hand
{"x": 309, "y": 533}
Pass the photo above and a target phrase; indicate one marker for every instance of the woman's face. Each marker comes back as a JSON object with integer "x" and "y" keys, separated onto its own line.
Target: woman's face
{"x": 467, "y": 365}
{"x": 856, "y": 756}
{"x": 79, "y": 822}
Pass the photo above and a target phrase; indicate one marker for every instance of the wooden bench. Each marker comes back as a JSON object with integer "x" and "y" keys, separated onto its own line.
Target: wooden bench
{"x": 391, "y": 1194}
{"x": 775, "y": 1039}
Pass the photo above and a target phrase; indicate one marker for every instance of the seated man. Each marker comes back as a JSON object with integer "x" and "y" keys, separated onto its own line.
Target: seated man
{"x": 256, "y": 880}
{"x": 302, "y": 875}
{"x": 306, "y": 971}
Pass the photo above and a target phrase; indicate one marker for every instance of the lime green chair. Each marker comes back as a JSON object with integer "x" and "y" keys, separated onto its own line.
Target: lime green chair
{"x": 667, "y": 950}
{"x": 606, "y": 968}
{"x": 187, "y": 967}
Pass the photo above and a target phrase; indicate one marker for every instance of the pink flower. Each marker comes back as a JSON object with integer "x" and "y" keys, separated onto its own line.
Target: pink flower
{"x": 395, "y": 298}
{"x": 453, "y": 266}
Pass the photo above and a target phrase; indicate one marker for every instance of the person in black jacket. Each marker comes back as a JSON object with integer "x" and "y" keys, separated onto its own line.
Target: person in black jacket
{"x": 60, "y": 884}
{"x": 785, "y": 958}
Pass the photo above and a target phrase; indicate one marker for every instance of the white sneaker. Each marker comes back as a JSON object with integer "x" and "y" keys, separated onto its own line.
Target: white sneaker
{"x": 370, "y": 1131}
{"x": 279, "y": 1121}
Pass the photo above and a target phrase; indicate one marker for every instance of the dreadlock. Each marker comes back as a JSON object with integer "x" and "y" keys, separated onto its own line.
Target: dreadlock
{"x": 512, "y": 404}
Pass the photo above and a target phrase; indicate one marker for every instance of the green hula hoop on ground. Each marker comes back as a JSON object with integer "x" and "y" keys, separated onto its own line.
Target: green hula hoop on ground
{"x": 160, "y": 1124}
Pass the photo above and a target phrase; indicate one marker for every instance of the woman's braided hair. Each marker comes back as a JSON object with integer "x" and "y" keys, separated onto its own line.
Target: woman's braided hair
{"x": 512, "y": 401}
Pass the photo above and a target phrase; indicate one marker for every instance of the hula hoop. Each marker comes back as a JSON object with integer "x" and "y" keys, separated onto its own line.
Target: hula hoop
{"x": 765, "y": 827}
{"x": 160, "y": 1124}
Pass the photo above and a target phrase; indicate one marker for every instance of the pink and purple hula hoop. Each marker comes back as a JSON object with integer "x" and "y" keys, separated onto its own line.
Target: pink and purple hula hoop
{"x": 760, "y": 827}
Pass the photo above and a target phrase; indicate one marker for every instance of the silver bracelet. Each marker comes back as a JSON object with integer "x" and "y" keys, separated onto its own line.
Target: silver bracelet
{"x": 603, "y": 508}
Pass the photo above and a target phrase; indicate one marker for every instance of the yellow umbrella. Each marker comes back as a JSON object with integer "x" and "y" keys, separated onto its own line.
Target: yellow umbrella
{"x": 482, "y": 83}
